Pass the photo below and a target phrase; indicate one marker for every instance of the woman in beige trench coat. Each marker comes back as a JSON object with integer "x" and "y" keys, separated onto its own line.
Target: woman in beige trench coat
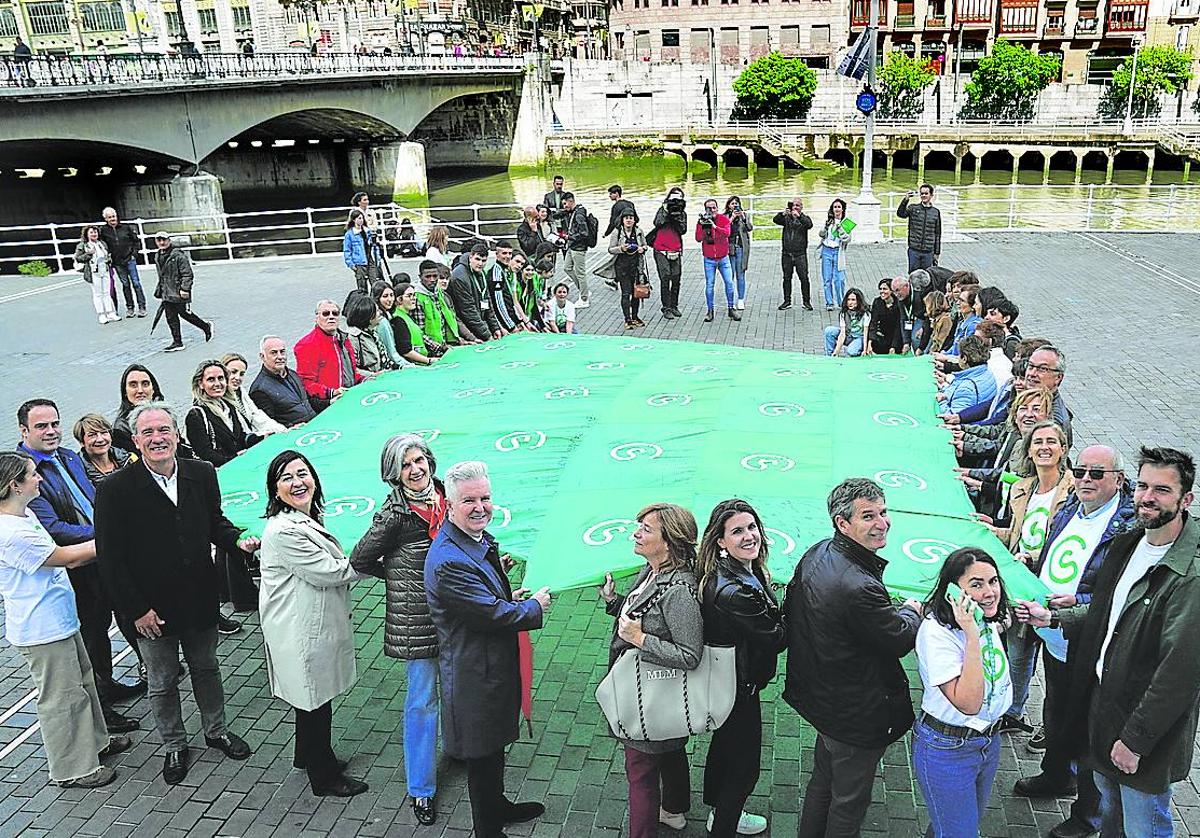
{"x": 304, "y": 607}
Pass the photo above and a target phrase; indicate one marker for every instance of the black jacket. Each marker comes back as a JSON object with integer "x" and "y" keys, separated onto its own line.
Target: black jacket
{"x": 174, "y": 275}
{"x": 465, "y": 293}
{"x": 122, "y": 241}
{"x": 924, "y": 226}
{"x": 529, "y": 238}
{"x": 886, "y": 332}
{"x": 740, "y": 610}
{"x": 394, "y": 550}
{"x": 283, "y": 399}
{"x": 845, "y": 641}
{"x": 795, "y": 231}
{"x": 213, "y": 440}
{"x": 158, "y": 554}
{"x": 614, "y": 216}
{"x": 577, "y": 228}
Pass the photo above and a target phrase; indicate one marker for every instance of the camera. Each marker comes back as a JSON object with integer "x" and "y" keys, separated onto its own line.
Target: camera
{"x": 706, "y": 220}
{"x": 631, "y": 245}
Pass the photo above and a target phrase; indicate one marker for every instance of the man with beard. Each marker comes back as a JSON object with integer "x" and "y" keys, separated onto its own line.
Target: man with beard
{"x": 1134, "y": 653}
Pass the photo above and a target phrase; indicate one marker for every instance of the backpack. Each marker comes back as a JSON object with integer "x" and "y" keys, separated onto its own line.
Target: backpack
{"x": 593, "y": 224}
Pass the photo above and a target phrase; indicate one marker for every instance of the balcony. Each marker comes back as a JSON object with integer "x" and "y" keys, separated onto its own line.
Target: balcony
{"x": 1018, "y": 18}
{"x": 860, "y": 10}
{"x": 1185, "y": 10}
{"x": 1086, "y": 27}
{"x": 1127, "y": 17}
{"x": 905, "y": 21}
{"x": 1054, "y": 30}
{"x": 935, "y": 21}
{"x": 973, "y": 12}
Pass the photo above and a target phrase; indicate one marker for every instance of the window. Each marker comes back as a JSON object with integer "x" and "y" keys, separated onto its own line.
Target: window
{"x": 47, "y": 18}
{"x": 8, "y": 24}
{"x": 670, "y": 37}
{"x": 789, "y": 36}
{"x": 208, "y": 20}
{"x": 670, "y": 3}
{"x": 102, "y": 17}
{"x": 820, "y": 34}
{"x": 241, "y": 18}
{"x": 174, "y": 22}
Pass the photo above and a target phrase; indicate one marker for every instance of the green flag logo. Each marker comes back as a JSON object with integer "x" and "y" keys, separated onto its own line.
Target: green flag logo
{"x": 895, "y": 419}
{"x": 603, "y": 533}
{"x": 899, "y": 479}
{"x": 379, "y": 397}
{"x": 781, "y": 409}
{"x": 928, "y": 550}
{"x": 235, "y": 500}
{"x": 1062, "y": 566}
{"x": 636, "y": 450}
{"x": 356, "y": 505}
{"x": 520, "y": 439}
{"x": 664, "y": 399}
{"x": 765, "y": 462}
{"x": 325, "y": 437}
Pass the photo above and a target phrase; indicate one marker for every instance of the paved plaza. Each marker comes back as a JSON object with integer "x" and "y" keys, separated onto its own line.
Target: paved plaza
{"x": 1124, "y": 308}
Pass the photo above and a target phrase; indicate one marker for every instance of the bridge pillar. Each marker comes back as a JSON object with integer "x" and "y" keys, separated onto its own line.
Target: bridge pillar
{"x": 978, "y": 166}
{"x": 1016, "y": 169}
{"x": 957, "y": 169}
{"x": 1047, "y": 153}
{"x": 533, "y": 115}
{"x": 195, "y": 198}
{"x": 1079, "y": 155}
{"x": 1108, "y": 170}
{"x": 889, "y": 155}
{"x": 921, "y": 164}
{"x": 1187, "y": 169}
{"x": 1150, "y": 155}
{"x": 396, "y": 169}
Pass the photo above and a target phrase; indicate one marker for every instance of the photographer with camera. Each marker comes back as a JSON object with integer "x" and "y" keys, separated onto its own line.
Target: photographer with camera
{"x": 627, "y": 246}
{"x": 666, "y": 237}
{"x": 795, "y": 226}
{"x": 739, "y": 246}
{"x": 712, "y": 231}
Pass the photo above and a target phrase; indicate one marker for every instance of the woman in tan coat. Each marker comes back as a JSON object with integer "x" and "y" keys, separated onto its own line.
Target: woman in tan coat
{"x": 1034, "y": 501}
{"x": 304, "y": 604}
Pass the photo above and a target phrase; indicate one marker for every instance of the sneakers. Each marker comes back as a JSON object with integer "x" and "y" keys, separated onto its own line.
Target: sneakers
{"x": 785, "y": 305}
{"x": 748, "y": 824}
{"x": 141, "y": 312}
{"x": 629, "y": 324}
{"x": 1037, "y": 744}
{"x": 174, "y": 347}
{"x": 828, "y": 307}
{"x": 808, "y": 307}
{"x": 582, "y": 302}
{"x": 734, "y": 314}
{"x": 130, "y": 314}
{"x": 102, "y": 776}
{"x": 637, "y": 321}
{"x": 740, "y": 305}
{"x": 1014, "y": 724}
{"x": 227, "y": 626}
{"x": 671, "y": 819}
{"x": 611, "y": 283}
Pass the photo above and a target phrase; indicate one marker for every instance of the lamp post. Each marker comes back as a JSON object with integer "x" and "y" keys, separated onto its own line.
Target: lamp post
{"x": 866, "y": 206}
{"x": 1128, "y": 127}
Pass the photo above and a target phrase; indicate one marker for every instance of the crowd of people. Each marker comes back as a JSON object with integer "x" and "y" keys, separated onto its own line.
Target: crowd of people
{"x": 130, "y": 528}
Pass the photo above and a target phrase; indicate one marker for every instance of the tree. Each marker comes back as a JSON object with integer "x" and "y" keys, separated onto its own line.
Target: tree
{"x": 1160, "y": 70}
{"x": 1007, "y": 82}
{"x": 902, "y": 81}
{"x": 774, "y": 86}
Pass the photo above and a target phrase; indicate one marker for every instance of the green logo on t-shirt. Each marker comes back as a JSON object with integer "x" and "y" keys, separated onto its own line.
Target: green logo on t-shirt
{"x": 1033, "y": 529}
{"x": 1061, "y": 565}
{"x": 995, "y": 664}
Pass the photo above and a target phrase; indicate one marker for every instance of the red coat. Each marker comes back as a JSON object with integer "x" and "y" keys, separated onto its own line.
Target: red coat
{"x": 317, "y": 363}
{"x": 719, "y": 249}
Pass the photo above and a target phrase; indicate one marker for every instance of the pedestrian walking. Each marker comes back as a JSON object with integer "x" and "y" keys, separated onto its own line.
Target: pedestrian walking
{"x": 174, "y": 289}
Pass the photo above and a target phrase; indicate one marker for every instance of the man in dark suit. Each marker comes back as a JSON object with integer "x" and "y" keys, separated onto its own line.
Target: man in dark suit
{"x": 478, "y": 616}
{"x": 65, "y": 507}
{"x": 156, "y": 523}
{"x": 278, "y": 390}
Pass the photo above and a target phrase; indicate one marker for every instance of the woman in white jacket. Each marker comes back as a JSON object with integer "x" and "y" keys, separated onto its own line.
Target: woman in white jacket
{"x": 92, "y": 259}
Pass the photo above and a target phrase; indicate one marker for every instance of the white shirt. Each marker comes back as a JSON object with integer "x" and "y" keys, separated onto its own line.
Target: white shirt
{"x": 436, "y": 255}
{"x": 1067, "y": 557}
{"x": 169, "y": 485}
{"x": 940, "y": 655}
{"x": 1145, "y": 556}
{"x": 1036, "y": 521}
{"x": 565, "y": 314}
{"x": 1000, "y": 366}
{"x": 39, "y": 602}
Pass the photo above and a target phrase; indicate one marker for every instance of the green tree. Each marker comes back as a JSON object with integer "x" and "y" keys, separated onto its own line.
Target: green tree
{"x": 902, "y": 81}
{"x": 1160, "y": 69}
{"x": 1007, "y": 82}
{"x": 774, "y": 86}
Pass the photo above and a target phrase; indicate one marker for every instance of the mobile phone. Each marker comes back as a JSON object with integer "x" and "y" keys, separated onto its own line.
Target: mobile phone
{"x": 955, "y": 593}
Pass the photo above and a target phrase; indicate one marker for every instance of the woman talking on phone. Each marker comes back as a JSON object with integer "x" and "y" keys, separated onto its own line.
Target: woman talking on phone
{"x": 967, "y": 689}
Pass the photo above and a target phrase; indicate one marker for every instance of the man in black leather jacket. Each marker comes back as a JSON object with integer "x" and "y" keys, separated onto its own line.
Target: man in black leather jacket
{"x": 845, "y": 641}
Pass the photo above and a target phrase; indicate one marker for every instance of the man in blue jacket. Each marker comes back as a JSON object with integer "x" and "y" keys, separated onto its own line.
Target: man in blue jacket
{"x": 478, "y": 616}
{"x": 64, "y": 507}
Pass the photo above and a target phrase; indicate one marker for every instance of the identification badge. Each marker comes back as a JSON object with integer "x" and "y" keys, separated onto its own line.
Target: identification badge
{"x": 908, "y": 325}
{"x": 483, "y": 304}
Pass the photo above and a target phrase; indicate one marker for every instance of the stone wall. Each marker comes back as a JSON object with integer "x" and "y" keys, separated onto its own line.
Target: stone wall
{"x": 256, "y": 170}
{"x": 474, "y": 130}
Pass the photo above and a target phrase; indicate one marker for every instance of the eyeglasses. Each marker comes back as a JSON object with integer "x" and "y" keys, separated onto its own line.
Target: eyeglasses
{"x": 1042, "y": 368}
{"x": 1093, "y": 472}
{"x": 333, "y": 313}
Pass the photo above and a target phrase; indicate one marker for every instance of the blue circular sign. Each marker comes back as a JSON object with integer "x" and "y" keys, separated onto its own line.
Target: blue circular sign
{"x": 866, "y": 102}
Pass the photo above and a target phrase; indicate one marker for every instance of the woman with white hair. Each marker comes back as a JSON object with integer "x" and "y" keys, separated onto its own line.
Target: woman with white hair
{"x": 394, "y": 550}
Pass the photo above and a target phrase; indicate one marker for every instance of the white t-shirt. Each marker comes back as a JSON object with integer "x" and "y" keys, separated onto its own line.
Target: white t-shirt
{"x": 1066, "y": 559}
{"x": 940, "y": 655}
{"x": 39, "y": 603}
{"x": 436, "y": 255}
{"x": 563, "y": 315}
{"x": 1000, "y": 367}
{"x": 1036, "y": 521}
{"x": 1145, "y": 556}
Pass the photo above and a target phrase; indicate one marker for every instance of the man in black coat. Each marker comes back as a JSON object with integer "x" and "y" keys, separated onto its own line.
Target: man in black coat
{"x": 553, "y": 202}
{"x": 175, "y": 278}
{"x": 468, "y": 293}
{"x": 278, "y": 390}
{"x": 156, "y": 523}
{"x": 123, "y": 244}
{"x": 795, "y": 224}
{"x": 619, "y": 207}
{"x": 478, "y": 617}
{"x": 845, "y": 642}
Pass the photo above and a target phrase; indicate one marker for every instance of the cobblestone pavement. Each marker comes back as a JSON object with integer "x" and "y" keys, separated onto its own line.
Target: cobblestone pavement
{"x": 1125, "y": 308}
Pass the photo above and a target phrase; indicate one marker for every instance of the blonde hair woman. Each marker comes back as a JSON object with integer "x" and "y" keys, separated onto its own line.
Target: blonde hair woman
{"x": 437, "y": 244}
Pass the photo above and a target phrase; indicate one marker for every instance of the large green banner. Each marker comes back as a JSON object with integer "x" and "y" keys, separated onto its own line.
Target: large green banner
{"x": 581, "y": 431}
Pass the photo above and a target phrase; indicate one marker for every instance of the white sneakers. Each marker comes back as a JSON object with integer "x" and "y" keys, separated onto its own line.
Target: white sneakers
{"x": 748, "y": 824}
{"x": 582, "y": 302}
{"x": 108, "y": 318}
{"x": 675, "y": 821}
{"x": 740, "y": 305}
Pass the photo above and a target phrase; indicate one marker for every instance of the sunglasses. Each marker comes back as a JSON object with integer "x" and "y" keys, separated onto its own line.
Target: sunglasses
{"x": 333, "y": 313}
{"x": 1094, "y": 473}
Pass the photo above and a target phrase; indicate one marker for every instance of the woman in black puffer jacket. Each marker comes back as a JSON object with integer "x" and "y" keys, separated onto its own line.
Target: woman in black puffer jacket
{"x": 394, "y": 550}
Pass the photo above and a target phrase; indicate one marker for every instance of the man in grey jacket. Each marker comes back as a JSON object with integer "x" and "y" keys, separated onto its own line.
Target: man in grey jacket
{"x": 924, "y": 229}
{"x": 175, "y": 278}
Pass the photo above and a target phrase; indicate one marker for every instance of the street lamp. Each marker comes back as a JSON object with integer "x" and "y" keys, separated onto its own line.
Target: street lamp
{"x": 1128, "y": 127}
{"x": 866, "y": 205}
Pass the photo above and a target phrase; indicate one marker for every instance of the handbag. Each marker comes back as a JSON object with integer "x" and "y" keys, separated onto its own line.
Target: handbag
{"x": 641, "y": 290}
{"x": 645, "y": 702}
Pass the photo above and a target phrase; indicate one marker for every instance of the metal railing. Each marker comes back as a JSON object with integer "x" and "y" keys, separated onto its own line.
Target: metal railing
{"x": 48, "y": 72}
{"x": 316, "y": 231}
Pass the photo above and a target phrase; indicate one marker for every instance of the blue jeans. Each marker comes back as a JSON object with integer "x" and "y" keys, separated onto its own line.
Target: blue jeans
{"x": 919, "y": 259}
{"x": 711, "y": 266}
{"x": 421, "y": 727}
{"x": 955, "y": 776}
{"x": 737, "y": 258}
{"x": 918, "y": 331}
{"x": 852, "y": 347}
{"x": 1022, "y": 661}
{"x": 832, "y": 279}
{"x": 1128, "y": 812}
{"x": 131, "y": 284}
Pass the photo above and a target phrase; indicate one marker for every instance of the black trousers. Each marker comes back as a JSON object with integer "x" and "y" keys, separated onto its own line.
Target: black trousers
{"x": 733, "y": 765}
{"x": 799, "y": 263}
{"x": 236, "y": 584}
{"x": 1056, "y": 762}
{"x": 670, "y": 271}
{"x": 177, "y": 311}
{"x": 839, "y": 791}
{"x": 95, "y": 616}
{"x": 629, "y": 303}
{"x": 485, "y": 788}
{"x": 314, "y": 744}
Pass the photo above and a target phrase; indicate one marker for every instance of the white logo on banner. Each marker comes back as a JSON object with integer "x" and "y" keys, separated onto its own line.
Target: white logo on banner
{"x": 895, "y": 419}
{"x": 603, "y": 533}
{"x": 472, "y": 392}
{"x": 722, "y": 353}
{"x": 606, "y": 365}
{"x": 559, "y": 344}
{"x": 381, "y": 396}
{"x": 521, "y": 439}
{"x": 568, "y": 393}
{"x": 490, "y": 346}
{"x": 236, "y": 500}
{"x": 504, "y": 514}
{"x": 897, "y": 479}
{"x": 695, "y": 368}
{"x": 928, "y": 550}
{"x": 636, "y": 450}
{"x": 763, "y": 462}
{"x": 662, "y": 399}
{"x": 317, "y": 438}
{"x": 772, "y": 534}
{"x": 450, "y": 366}
{"x": 517, "y": 365}
{"x": 428, "y": 434}
{"x": 781, "y": 409}
{"x": 355, "y": 505}
{"x": 888, "y": 376}
{"x": 635, "y": 347}
{"x": 791, "y": 372}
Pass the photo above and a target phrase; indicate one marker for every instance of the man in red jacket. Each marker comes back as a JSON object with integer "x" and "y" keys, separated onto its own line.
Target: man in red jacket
{"x": 712, "y": 231}
{"x": 324, "y": 358}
